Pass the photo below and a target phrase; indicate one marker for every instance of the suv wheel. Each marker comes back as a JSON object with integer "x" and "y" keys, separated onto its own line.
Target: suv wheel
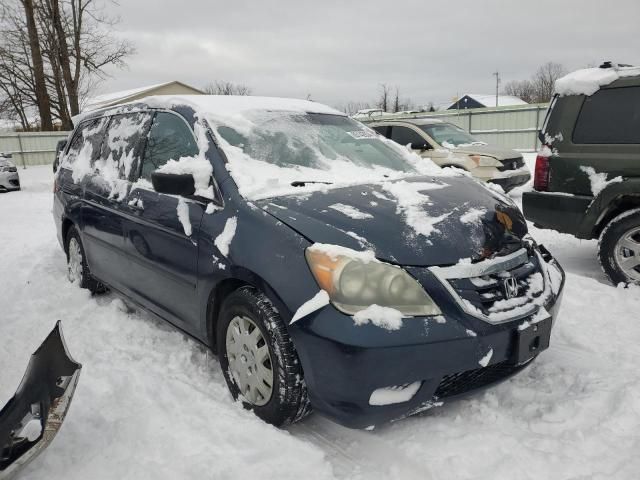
{"x": 258, "y": 358}
{"x": 619, "y": 248}
{"x": 77, "y": 268}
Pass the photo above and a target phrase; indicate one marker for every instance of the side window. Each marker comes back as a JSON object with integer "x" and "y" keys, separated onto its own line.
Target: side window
{"x": 609, "y": 116}
{"x": 86, "y": 142}
{"x": 170, "y": 138}
{"x": 384, "y": 131}
{"x": 405, "y": 136}
{"x": 123, "y": 143}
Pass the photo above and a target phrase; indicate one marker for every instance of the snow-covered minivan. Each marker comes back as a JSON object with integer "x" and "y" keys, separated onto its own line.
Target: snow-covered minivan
{"x": 328, "y": 267}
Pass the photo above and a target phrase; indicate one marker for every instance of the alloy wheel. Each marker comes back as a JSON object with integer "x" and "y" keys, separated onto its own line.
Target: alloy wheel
{"x": 74, "y": 265}
{"x": 627, "y": 253}
{"x": 249, "y": 360}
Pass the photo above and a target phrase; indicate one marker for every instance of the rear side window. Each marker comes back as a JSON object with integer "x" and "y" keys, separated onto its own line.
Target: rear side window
{"x": 122, "y": 143}
{"x": 609, "y": 116}
{"x": 170, "y": 138}
{"x": 384, "y": 131}
{"x": 405, "y": 136}
{"x": 86, "y": 142}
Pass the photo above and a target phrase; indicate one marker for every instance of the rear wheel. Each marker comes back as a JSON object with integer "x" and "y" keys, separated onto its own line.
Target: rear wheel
{"x": 619, "y": 248}
{"x": 77, "y": 268}
{"x": 258, "y": 358}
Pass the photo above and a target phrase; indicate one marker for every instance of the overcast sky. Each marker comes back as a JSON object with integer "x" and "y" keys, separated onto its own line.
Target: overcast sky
{"x": 340, "y": 51}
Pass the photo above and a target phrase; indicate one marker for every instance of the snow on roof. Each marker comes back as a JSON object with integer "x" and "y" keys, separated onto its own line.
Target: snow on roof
{"x": 588, "y": 81}
{"x": 123, "y": 96}
{"x": 231, "y": 105}
{"x": 490, "y": 100}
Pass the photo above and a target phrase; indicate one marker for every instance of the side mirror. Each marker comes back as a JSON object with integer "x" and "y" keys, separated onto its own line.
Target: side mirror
{"x": 173, "y": 183}
{"x": 420, "y": 146}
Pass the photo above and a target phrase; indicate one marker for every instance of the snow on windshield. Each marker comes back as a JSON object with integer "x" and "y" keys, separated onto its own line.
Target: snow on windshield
{"x": 271, "y": 143}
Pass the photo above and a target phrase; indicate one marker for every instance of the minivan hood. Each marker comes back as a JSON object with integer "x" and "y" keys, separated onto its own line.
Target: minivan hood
{"x": 490, "y": 150}
{"x": 469, "y": 221}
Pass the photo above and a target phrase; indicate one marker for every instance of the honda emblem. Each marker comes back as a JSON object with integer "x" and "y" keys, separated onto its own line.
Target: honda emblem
{"x": 510, "y": 287}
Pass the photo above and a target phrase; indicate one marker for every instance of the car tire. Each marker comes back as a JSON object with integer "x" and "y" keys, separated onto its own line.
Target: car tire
{"x": 619, "y": 248}
{"x": 246, "y": 364}
{"x": 77, "y": 267}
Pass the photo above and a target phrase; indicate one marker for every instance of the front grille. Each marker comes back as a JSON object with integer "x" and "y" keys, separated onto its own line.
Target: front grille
{"x": 463, "y": 382}
{"x": 488, "y": 293}
{"x": 511, "y": 164}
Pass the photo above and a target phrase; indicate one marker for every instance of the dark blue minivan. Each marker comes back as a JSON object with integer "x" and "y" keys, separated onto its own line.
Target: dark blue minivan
{"x": 328, "y": 267}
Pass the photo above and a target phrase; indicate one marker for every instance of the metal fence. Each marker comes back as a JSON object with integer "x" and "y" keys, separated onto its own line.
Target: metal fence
{"x": 511, "y": 127}
{"x": 31, "y": 148}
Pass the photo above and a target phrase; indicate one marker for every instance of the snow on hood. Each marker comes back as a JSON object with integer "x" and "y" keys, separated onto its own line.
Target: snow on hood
{"x": 440, "y": 221}
{"x": 588, "y": 81}
{"x": 264, "y": 142}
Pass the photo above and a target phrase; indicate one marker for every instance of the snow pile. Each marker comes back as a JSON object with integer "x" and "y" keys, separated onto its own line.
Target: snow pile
{"x": 589, "y": 80}
{"x": 183, "y": 216}
{"x": 383, "y": 317}
{"x": 473, "y": 216}
{"x": 336, "y": 251}
{"x": 411, "y": 201}
{"x": 223, "y": 241}
{"x": 484, "y": 361}
{"x": 598, "y": 180}
{"x": 199, "y": 167}
{"x": 316, "y": 302}
{"x": 350, "y": 211}
{"x": 395, "y": 394}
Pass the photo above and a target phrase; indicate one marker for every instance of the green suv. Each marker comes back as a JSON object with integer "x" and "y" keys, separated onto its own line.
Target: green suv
{"x": 587, "y": 176}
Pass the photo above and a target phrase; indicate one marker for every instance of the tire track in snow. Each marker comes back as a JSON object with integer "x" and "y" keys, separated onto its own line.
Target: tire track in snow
{"x": 358, "y": 454}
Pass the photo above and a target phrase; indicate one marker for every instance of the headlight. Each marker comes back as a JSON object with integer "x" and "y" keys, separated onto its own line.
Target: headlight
{"x": 355, "y": 282}
{"x": 484, "y": 161}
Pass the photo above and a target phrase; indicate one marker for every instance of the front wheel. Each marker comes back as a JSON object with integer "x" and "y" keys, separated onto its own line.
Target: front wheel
{"x": 258, "y": 359}
{"x": 619, "y": 248}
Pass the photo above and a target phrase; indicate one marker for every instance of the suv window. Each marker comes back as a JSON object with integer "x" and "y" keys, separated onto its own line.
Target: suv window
{"x": 383, "y": 130}
{"x": 121, "y": 147}
{"x": 169, "y": 138}
{"x": 87, "y": 139}
{"x": 609, "y": 116}
{"x": 405, "y": 136}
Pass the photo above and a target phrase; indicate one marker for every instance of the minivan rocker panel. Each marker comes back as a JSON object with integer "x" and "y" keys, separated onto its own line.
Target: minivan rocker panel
{"x": 496, "y": 291}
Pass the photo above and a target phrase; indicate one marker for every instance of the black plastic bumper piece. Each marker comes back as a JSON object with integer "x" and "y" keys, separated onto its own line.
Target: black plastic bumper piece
{"x": 33, "y": 416}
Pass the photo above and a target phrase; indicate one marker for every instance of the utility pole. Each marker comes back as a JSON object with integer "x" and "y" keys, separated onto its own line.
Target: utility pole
{"x": 497, "y": 75}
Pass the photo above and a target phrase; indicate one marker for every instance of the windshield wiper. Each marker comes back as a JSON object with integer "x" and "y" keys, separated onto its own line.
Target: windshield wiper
{"x": 302, "y": 183}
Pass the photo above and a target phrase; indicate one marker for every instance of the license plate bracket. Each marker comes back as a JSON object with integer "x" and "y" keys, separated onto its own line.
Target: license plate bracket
{"x": 532, "y": 340}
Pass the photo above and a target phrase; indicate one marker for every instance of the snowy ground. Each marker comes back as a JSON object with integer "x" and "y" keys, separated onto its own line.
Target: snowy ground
{"x": 152, "y": 403}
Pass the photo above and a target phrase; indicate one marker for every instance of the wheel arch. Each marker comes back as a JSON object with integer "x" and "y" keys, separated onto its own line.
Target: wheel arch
{"x": 241, "y": 277}
{"x": 616, "y": 207}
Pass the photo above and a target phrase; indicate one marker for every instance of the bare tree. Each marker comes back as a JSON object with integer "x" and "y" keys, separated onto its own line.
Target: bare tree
{"x": 383, "y": 99}
{"x": 220, "y": 87}
{"x": 42, "y": 95}
{"x": 541, "y": 86}
{"x": 522, "y": 89}
{"x": 73, "y": 42}
{"x": 544, "y": 80}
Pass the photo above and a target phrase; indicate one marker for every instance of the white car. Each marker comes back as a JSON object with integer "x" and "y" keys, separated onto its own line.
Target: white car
{"x": 9, "y": 178}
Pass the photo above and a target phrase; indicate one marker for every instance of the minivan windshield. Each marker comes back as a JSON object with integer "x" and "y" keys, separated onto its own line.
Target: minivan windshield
{"x": 449, "y": 135}
{"x": 277, "y": 149}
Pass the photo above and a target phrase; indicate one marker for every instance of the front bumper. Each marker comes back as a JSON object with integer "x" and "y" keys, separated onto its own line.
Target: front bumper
{"x": 343, "y": 366}
{"x": 9, "y": 181}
